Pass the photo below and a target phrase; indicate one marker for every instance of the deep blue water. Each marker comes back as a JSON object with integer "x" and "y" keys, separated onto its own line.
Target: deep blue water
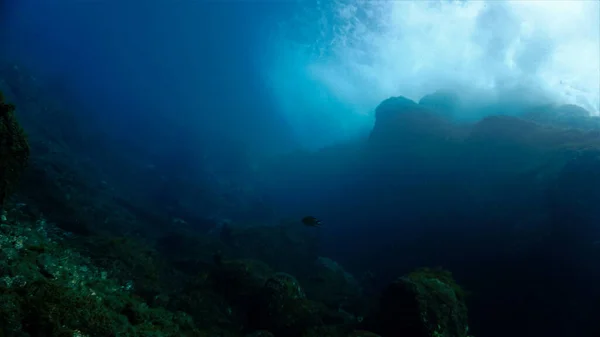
{"x": 189, "y": 66}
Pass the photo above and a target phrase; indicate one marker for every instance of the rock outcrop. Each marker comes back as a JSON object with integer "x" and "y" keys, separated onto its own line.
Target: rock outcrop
{"x": 14, "y": 150}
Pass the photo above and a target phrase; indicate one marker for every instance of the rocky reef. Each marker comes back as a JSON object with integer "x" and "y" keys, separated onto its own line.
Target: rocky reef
{"x": 506, "y": 197}
{"x": 92, "y": 249}
{"x": 48, "y": 288}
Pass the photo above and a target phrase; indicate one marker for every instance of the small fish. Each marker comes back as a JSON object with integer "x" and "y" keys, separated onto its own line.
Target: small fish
{"x": 311, "y": 221}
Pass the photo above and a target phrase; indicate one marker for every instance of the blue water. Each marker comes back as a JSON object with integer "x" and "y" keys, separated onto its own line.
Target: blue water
{"x": 271, "y": 104}
{"x": 304, "y": 72}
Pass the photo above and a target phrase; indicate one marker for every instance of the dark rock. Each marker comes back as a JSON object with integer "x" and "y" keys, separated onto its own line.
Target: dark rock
{"x": 426, "y": 303}
{"x": 400, "y": 121}
{"x": 284, "y": 309}
{"x": 391, "y": 107}
{"x": 281, "y": 287}
{"x": 14, "y": 150}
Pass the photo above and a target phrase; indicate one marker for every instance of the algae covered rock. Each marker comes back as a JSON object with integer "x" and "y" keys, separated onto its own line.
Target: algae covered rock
{"x": 283, "y": 308}
{"x": 334, "y": 287}
{"x": 425, "y": 303}
{"x": 14, "y": 150}
{"x": 282, "y": 286}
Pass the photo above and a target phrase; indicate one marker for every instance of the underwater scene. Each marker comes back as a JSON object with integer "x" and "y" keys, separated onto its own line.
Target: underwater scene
{"x": 299, "y": 168}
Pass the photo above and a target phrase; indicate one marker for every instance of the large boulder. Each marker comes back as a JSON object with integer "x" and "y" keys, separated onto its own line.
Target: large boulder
{"x": 425, "y": 303}
{"x": 284, "y": 309}
{"x": 399, "y": 119}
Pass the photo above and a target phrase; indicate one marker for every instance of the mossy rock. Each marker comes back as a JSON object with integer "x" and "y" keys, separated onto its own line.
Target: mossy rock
{"x": 50, "y": 309}
{"x": 282, "y": 286}
{"x": 425, "y": 303}
{"x": 14, "y": 150}
{"x": 283, "y": 308}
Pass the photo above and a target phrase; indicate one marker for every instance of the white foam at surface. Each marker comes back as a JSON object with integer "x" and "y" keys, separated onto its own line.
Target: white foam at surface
{"x": 361, "y": 52}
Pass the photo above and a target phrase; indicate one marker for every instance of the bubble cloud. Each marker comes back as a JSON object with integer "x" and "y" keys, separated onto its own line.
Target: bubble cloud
{"x": 335, "y": 61}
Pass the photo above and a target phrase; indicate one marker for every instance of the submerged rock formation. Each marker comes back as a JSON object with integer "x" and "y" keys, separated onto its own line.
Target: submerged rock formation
{"x": 425, "y": 303}
{"x": 424, "y": 190}
{"x": 399, "y": 120}
{"x": 14, "y": 150}
{"x": 515, "y": 188}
